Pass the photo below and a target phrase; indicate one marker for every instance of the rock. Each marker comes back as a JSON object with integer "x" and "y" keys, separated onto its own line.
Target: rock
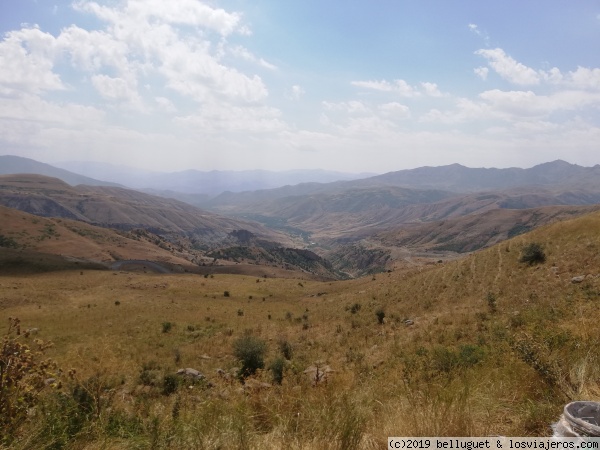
{"x": 408, "y": 322}
{"x": 318, "y": 374}
{"x": 191, "y": 373}
{"x": 578, "y": 279}
{"x": 253, "y": 385}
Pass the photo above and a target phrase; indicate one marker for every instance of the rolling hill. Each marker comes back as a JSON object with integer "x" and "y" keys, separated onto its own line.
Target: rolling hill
{"x": 194, "y": 236}
{"x": 487, "y": 345}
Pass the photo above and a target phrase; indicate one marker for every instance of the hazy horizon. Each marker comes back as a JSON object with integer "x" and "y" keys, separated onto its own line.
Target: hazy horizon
{"x": 338, "y": 86}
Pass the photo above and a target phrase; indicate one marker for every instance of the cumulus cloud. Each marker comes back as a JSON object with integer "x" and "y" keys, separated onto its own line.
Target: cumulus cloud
{"x": 183, "y": 12}
{"x": 27, "y": 62}
{"x": 508, "y": 68}
{"x": 582, "y": 78}
{"x": 431, "y": 89}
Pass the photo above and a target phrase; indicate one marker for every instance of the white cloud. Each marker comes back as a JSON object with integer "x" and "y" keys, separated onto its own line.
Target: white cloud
{"x": 27, "y": 61}
{"x": 508, "y": 68}
{"x": 482, "y": 72}
{"x": 94, "y": 50}
{"x": 165, "y": 105}
{"x": 31, "y": 108}
{"x": 244, "y": 53}
{"x": 350, "y": 107}
{"x": 118, "y": 90}
{"x": 219, "y": 117}
{"x": 395, "y": 110}
{"x": 431, "y": 89}
{"x": 295, "y": 93}
{"x": 582, "y": 78}
{"x": 184, "y": 12}
{"x": 522, "y": 104}
{"x": 400, "y": 87}
{"x": 475, "y": 29}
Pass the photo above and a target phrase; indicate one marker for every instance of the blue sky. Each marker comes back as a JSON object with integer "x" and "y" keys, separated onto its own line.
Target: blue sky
{"x": 349, "y": 85}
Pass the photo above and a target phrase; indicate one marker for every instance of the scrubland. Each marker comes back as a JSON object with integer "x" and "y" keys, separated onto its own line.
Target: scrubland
{"x": 485, "y": 345}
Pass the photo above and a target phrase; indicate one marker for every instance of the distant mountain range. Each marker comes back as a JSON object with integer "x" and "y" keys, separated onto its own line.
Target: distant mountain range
{"x": 360, "y": 226}
{"x": 15, "y": 164}
{"x": 458, "y": 178}
{"x": 209, "y": 183}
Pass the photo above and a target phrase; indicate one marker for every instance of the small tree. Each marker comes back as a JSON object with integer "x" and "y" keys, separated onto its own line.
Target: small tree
{"x": 533, "y": 254}
{"x": 250, "y": 351}
{"x": 380, "y": 313}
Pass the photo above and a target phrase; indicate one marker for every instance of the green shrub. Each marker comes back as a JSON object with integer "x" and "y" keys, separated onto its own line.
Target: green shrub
{"x": 533, "y": 254}
{"x": 250, "y": 351}
{"x": 286, "y": 349}
{"x": 491, "y": 301}
{"x": 380, "y": 313}
{"x": 166, "y": 327}
{"x": 470, "y": 355}
{"x": 170, "y": 384}
{"x": 277, "y": 367}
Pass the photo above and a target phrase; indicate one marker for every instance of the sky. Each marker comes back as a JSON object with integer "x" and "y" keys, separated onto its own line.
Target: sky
{"x": 353, "y": 85}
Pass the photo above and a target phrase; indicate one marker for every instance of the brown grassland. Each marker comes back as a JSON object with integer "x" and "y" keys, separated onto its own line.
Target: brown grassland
{"x": 485, "y": 345}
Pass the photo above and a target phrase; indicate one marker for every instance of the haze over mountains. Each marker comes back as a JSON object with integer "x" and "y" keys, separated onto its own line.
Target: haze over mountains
{"x": 209, "y": 183}
{"x": 340, "y": 228}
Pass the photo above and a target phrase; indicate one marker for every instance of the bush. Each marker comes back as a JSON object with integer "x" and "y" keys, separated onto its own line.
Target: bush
{"x": 380, "y": 313}
{"x": 170, "y": 384}
{"x": 533, "y": 254}
{"x": 491, "y": 301}
{"x": 166, "y": 327}
{"x": 250, "y": 351}
{"x": 286, "y": 349}
{"x": 277, "y": 367}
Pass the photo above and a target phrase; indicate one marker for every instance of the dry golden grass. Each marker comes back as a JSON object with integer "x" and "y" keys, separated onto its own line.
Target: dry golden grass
{"x": 78, "y": 239}
{"x": 495, "y": 347}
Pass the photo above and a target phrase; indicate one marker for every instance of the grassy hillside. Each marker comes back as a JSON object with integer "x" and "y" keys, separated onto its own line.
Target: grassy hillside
{"x": 20, "y": 230}
{"x": 120, "y": 208}
{"x": 485, "y": 345}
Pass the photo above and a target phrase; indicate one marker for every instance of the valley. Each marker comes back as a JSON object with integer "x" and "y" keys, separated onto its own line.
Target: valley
{"x": 336, "y": 230}
{"x": 489, "y": 344}
{"x": 331, "y": 318}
